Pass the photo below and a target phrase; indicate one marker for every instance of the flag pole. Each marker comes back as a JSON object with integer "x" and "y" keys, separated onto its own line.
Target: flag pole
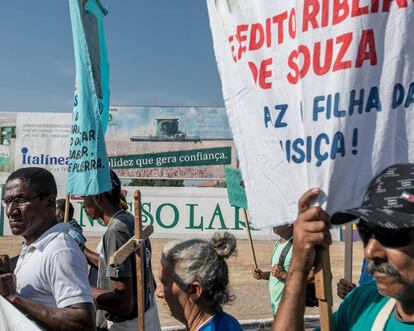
{"x": 139, "y": 261}
{"x": 67, "y": 201}
{"x": 249, "y": 235}
{"x": 348, "y": 252}
{"x": 323, "y": 287}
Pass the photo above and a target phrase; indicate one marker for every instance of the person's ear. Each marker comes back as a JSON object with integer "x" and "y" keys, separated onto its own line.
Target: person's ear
{"x": 195, "y": 292}
{"x": 51, "y": 200}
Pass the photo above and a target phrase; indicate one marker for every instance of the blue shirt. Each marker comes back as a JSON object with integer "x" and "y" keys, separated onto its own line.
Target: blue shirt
{"x": 221, "y": 322}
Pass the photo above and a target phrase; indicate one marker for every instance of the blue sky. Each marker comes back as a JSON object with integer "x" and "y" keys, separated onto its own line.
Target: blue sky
{"x": 160, "y": 53}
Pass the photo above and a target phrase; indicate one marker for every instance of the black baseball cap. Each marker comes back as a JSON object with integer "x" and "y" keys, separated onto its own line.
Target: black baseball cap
{"x": 389, "y": 201}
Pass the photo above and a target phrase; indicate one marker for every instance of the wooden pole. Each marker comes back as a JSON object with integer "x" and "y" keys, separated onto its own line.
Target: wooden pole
{"x": 139, "y": 262}
{"x": 348, "y": 252}
{"x": 323, "y": 287}
{"x": 67, "y": 201}
{"x": 249, "y": 235}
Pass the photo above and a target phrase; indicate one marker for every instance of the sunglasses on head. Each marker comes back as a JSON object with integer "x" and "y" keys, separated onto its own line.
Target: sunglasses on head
{"x": 392, "y": 238}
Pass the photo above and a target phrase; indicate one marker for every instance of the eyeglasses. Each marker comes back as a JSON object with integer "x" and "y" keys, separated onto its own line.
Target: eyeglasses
{"x": 18, "y": 202}
{"x": 387, "y": 237}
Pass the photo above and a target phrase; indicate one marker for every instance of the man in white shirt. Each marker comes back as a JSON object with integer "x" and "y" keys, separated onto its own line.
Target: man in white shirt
{"x": 50, "y": 282}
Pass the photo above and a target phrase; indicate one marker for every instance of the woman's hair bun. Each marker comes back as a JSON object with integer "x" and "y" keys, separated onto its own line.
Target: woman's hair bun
{"x": 224, "y": 243}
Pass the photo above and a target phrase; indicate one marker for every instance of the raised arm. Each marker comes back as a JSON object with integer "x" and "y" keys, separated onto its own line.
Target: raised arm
{"x": 311, "y": 229}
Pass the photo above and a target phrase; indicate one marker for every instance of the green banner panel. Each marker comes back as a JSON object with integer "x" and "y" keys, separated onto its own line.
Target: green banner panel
{"x": 235, "y": 190}
{"x": 188, "y": 158}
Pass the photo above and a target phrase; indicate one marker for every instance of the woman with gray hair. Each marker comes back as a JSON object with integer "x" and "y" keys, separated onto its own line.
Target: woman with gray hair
{"x": 193, "y": 282}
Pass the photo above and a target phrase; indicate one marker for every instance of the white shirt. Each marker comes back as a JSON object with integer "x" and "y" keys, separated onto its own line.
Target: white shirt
{"x": 53, "y": 270}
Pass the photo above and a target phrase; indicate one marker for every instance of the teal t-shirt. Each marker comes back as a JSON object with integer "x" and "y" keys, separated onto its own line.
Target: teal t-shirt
{"x": 221, "y": 322}
{"x": 276, "y": 285}
{"x": 360, "y": 308}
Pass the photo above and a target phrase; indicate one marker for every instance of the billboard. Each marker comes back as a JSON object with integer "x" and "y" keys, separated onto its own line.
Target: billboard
{"x": 176, "y": 212}
{"x": 169, "y": 142}
{"x": 142, "y": 142}
{"x": 42, "y": 139}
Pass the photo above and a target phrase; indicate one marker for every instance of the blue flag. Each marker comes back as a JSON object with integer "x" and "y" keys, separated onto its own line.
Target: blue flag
{"x": 88, "y": 170}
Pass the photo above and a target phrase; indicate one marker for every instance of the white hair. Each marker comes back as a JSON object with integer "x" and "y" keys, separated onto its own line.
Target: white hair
{"x": 202, "y": 261}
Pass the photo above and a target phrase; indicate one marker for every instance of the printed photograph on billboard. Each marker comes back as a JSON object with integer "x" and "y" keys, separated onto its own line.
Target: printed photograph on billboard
{"x": 169, "y": 142}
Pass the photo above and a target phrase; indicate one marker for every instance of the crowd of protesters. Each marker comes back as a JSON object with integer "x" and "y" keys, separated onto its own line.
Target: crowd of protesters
{"x": 49, "y": 282}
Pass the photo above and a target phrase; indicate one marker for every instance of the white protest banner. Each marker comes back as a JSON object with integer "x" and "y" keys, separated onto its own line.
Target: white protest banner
{"x": 13, "y": 319}
{"x": 319, "y": 93}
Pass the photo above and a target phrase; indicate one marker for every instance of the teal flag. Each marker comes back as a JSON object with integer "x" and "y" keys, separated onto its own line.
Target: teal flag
{"x": 88, "y": 170}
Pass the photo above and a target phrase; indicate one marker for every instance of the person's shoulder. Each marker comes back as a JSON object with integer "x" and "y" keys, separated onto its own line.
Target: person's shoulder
{"x": 64, "y": 252}
{"x": 64, "y": 245}
{"x": 124, "y": 218}
{"x": 276, "y": 245}
{"x": 229, "y": 322}
{"x": 122, "y": 225}
{"x": 362, "y": 296}
{"x": 366, "y": 290}
{"x": 359, "y": 308}
{"x": 122, "y": 221}
{"x": 59, "y": 241}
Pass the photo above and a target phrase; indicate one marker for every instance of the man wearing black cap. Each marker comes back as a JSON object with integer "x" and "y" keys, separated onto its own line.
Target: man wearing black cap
{"x": 386, "y": 227}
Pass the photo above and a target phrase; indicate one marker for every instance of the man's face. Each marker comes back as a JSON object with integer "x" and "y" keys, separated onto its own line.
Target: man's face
{"x": 170, "y": 293}
{"x": 393, "y": 268}
{"x": 28, "y": 219}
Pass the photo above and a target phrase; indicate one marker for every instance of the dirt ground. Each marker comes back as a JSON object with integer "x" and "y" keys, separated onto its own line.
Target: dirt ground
{"x": 251, "y": 296}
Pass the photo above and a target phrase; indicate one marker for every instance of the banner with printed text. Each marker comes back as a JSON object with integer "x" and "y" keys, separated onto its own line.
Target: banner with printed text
{"x": 13, "y": 319}
{"x": 88, "y": 171}
{"x": 319, "y": 93}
